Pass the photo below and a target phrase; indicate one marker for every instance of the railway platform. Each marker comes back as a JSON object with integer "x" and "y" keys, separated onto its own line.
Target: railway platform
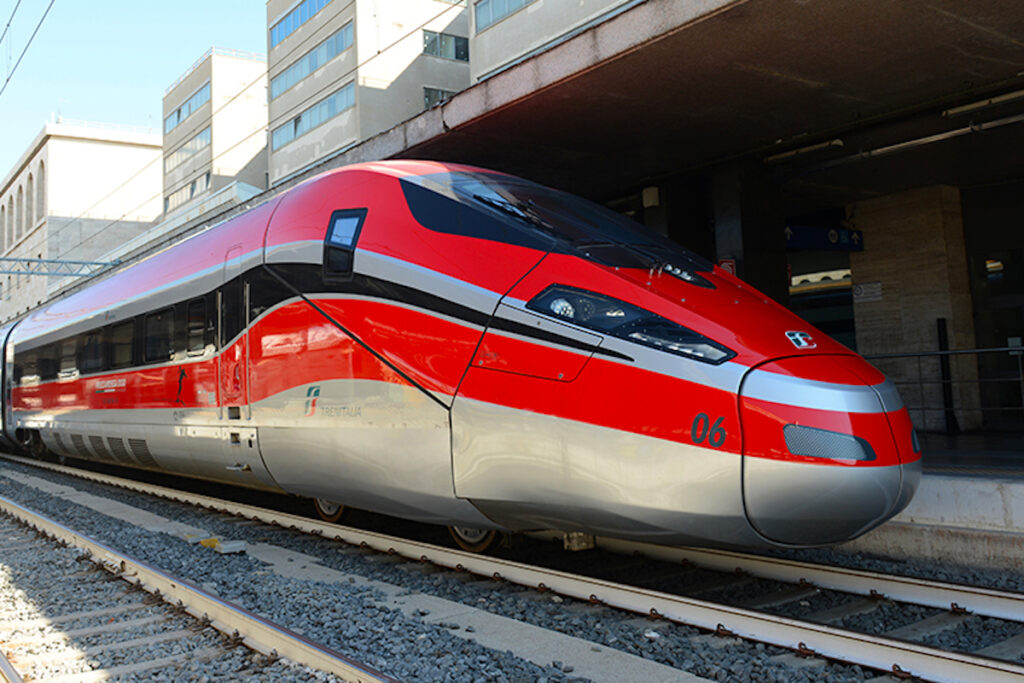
{"x": 969, "y": 509}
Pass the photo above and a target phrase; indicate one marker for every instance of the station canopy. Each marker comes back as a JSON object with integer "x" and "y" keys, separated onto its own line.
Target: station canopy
{"x": 636, "y": 99}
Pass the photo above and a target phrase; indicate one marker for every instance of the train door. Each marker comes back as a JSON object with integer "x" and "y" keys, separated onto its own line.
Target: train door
{"x": 241, "y": 453}
{"x": 233, "y": 339}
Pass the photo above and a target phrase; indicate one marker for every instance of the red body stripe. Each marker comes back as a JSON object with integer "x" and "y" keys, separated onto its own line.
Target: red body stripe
{"x": 764, "y": 421}
{"x": 613, "y": 395}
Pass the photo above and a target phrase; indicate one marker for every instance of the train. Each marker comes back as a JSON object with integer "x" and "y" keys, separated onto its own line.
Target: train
{"x": 459, "y": 346}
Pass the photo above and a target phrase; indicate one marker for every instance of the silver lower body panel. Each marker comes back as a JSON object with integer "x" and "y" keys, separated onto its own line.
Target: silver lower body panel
{"x": 527, "y": 471}
{"x": 373, "y": 445}
{"x": 807, "y": 504}
{"x": 188, "y": 442}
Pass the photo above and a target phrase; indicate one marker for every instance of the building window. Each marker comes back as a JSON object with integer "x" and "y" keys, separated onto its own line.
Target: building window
{"x": 20, "y": 224}
{"x": 41, "y": 191}
{"x": 29, "y": 204}
{"x": 315, "y": 116}
{"x": 492, "y": 11}
{"x": 182, "y": 195}
{"x": 312, "y": 60}
{"x": 198, "y": 99}
{"x": 187, "y": 151}
{"x": 435, "y": 96}
{"x": 294, "y": 19}
{"x": 446, "y": 45}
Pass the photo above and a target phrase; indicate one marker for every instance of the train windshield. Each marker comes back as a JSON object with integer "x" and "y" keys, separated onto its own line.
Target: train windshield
{"x": 543, "y": 216}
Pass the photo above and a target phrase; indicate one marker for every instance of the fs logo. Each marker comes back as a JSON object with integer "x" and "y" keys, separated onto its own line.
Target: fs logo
{"x": 312, "y": 395}
{"x": 801, "y": 340}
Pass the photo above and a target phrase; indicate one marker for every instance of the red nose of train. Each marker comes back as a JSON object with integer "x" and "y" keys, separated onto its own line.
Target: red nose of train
{"x": 829, "y": 450}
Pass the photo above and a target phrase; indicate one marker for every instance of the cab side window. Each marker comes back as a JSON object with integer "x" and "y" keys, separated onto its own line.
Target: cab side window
{"x": 342, "y": 235}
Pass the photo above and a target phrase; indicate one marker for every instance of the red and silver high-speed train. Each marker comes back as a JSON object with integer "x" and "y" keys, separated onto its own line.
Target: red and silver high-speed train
{"x": 463, "y": 347}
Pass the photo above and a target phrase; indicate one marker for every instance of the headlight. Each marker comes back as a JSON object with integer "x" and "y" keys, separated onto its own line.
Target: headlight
{"x": 626, "y": 321}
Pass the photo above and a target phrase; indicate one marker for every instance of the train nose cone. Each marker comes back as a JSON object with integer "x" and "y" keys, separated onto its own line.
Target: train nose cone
{"x": 829, "y": 452}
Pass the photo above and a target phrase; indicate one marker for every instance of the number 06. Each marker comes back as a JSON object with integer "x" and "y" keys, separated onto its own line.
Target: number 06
{"x": 703, "y": 429}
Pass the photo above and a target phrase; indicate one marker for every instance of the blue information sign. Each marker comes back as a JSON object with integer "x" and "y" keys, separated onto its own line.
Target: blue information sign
{"x": 824, "y": 239}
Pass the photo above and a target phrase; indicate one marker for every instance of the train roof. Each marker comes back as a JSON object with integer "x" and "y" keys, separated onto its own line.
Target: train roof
{"x": 90, "y": 306}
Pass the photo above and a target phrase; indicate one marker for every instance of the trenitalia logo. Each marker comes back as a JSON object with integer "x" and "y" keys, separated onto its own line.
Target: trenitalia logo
{"x": 312, "y": 394}
{"x": 801, "y": 340}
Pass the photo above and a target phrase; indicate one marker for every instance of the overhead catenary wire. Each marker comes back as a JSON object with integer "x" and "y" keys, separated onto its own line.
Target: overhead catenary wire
{"x": 27, "y": 45}
{"x": 9, "y": 21}
{"x": 351, "y": 71}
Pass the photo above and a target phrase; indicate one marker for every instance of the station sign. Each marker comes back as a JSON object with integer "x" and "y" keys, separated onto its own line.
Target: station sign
{"x": 823, "y": 239}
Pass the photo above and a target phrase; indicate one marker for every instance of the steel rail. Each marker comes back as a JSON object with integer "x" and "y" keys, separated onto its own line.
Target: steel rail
{"x": 8, "y": 673}
{"x": 254, "y": 631}
{"x": 864, "y": 649}
{"x": 985, "y": 602}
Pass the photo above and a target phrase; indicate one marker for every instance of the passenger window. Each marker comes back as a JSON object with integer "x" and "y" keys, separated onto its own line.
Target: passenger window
{"x": 25, "y": 371}
{"x": 342, "y": 236}
{"x": 92, "y": 353}
{"x": 120, "y": 344}
{"x": 196, "y": 324}
{"x": 48, "y": 361}
{"x": 68, "y": 360}
{"x": 264, "y": 292}
{"x": 160, "y": 335}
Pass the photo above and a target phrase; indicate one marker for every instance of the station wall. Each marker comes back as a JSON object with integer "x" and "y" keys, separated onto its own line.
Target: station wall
{"x": 913, "y": 272}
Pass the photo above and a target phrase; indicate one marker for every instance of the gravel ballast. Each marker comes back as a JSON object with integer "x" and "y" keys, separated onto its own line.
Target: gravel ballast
{"x": 356, "y": 620}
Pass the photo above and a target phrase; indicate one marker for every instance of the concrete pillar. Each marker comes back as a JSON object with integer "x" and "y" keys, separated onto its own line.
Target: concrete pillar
{"x": 749, "y": 226}
{"x": 913, "y": 271}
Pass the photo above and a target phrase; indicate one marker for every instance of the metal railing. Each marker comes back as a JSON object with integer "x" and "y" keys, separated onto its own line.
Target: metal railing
{"x": 102, "y": 125}
{"x": 224, "y": 51}
{"x": 959, "y": 390}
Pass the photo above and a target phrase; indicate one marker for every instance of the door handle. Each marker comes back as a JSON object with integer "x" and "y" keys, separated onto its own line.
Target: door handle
{"x": 238, "y": 467}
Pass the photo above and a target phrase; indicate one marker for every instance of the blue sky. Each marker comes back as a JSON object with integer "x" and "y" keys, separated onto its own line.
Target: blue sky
{"x": 109, "y": 60}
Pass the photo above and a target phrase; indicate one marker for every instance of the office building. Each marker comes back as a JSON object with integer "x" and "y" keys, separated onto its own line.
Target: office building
{"x": 215, "y": 121}
{"x": 342, "y": 72}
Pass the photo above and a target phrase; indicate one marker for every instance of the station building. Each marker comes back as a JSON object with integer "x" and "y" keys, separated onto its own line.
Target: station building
{"x": 78, "y": 188}
{"x": 854, "y": 160}
{"x": 342, "y": 72}
{"x": 215, "y": 123}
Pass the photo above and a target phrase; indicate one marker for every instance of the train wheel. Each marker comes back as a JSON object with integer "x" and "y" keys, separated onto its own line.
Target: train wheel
{"x": 33, "y": 444}
{"x": 37, "y": 448}
{"x": 328, "y": 510}
{"x": 473, "y": 540}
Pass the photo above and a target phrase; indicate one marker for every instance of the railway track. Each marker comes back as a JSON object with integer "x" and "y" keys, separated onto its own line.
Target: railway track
{"x": 750, "y": 617}
{"x": 74, "y": 610}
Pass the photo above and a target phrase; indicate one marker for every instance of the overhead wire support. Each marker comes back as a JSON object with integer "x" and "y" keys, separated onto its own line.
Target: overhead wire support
{"x": 53, "y": 267}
